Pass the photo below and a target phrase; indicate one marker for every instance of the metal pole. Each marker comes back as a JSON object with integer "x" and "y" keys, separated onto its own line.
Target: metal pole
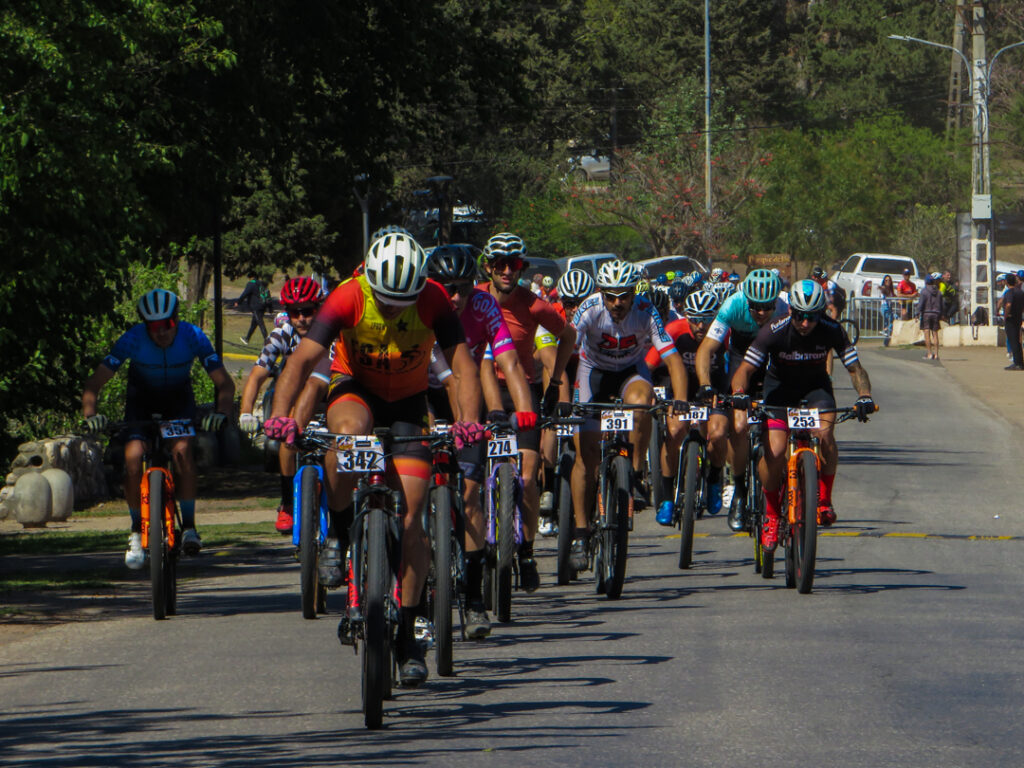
{"x": 218, "y": 310}
{"x": 707, "y": 109}
{"x": 364, "y": 204}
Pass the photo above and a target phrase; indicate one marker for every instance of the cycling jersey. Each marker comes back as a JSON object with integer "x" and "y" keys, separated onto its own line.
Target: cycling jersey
{"x": 796, "y": 362}
{"x": 544, "y": 339}
{"x": 484, "y": 325}
{"x": 279, "y": 344}
{"x": 390, "y": 357}
{"x": 686, "y": 345}
{"x": 523, "y": 313}
{"x": 157, "y": 370}
{"x": 734, "y": 315}
{"x": 610, "y": 346}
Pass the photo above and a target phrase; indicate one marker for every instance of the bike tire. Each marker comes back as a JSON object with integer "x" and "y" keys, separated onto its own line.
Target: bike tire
{"x": 616, "y": 535}
{"x": 157, "y": 544}
{"x": 852, "y": 329}
{"x": 505, "y": 494}
{"x": 309, "y": 529}
{"x": 654, "y": 463}
{"x": 171, "y": 581}
{"x": 805, "y": 532}
{"x": 377, "y": 638}
{"x": 271, "y": 448}
{"x": 764, "y": 562}
{"x": 441, "y": 504}
{"x": 691, "y": 499}
{"x": 566, "y": 519}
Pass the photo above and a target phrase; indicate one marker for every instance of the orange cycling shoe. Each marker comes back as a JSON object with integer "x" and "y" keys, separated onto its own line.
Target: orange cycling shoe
{"x": 826, "y": 515}
{"x": 284, "y": 520}
{"x": 770, "y": 533}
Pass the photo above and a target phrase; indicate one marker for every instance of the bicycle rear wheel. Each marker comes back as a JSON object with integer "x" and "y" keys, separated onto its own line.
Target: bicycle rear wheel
{"x": 377, "y": 637}
{"x": 615, "y": 534}
{"x": 566, "y": 520}
{"x": 309, "y": 530}
{"x": 441, "y": 505}
{"x": 506, "y": 537}
{"x": 764, "y": 562}
{"x": 157, "y": 544}
{"x": 805, "y": 531}
{"x": 691, "y": 496}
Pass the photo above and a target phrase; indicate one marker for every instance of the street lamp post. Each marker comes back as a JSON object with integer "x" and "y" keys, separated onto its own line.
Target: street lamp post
{"x": 982, "y": 274}
{"x": 364, "y": 204}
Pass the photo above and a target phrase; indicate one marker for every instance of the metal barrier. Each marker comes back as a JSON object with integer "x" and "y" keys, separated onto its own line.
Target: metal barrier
{"x": 874, "y": 314}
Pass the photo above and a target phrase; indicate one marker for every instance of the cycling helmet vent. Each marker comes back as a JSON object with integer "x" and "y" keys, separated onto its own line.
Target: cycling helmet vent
{"x": 504, "y": 245}
{"x": 396, "y": 266}
{"x": 807, "y": 296}
{"x": 762, "y": 286}
{"x": 575, "y": 284}
{"x": 617, "y": 274}
{"x": 389, "y": 229}
{"x": 701, "y": 305}
{"x": 157, "y": 304}
{"x": 452, "y": 262}
{"x": 300, "y": 290}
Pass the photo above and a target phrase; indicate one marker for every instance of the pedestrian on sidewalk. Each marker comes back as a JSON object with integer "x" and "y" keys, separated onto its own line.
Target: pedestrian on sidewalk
{"x": 257, "y": 299}
{"x": 929, "y": 310}
{"x": 906, "y": 291}
{"x": 1013, "y": 308}
{"x": 888, "y": 291}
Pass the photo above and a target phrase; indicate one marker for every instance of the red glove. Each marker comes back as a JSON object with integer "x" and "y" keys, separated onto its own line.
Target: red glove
{"x": 282, "y": 428}
{"x": 524, "y": 420}
{"x": 467, "y": 433}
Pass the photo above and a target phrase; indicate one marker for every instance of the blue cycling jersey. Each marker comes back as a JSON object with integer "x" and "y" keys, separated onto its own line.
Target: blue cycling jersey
{"x": 734, "y": 315}
{"x": 157, "y": 370}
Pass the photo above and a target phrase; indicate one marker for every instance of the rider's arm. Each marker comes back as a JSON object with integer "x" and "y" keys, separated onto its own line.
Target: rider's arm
{"x": 677, "y": 372}
{"x": 312, "y": 393}
{"x": 705, "y": 354}
{"x": 860, "y": 380}
{"x": 566, "y": 345}
{"x": 225, "y": 389}
{"x": 257, "y": 376}
{"x": 741, "y": 379}
{"x": 489, "y": 384}
{"x": 464, "y": 371}
{"x": 92, "y": 387}
{"x": 296, "y": 370}
{"x": 515, "y": 379}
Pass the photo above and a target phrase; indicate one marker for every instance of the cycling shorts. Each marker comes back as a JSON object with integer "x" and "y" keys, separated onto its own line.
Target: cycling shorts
{"x": 407, "y": 416}
{"x": 530, "y": 439}
{"x": 757, "y": 378}
{"x": 790, "y": 397}
{"x": 141, "y": 405}
{"x": 595, "y": 385}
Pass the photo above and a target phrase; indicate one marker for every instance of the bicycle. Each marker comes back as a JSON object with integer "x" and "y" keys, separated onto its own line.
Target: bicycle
{"x": 798, "y": 527}
{"x": 654, "y": 449}
{"x": 503, "y": 491}
{"x": 692, "y": 478}
{"x": 566, "y": 452}
{"x": 311, "y": 522}
{"x": 608, "y": 541}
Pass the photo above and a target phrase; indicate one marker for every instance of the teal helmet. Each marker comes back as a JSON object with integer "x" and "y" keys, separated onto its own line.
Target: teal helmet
{"x": 762, "y": 286}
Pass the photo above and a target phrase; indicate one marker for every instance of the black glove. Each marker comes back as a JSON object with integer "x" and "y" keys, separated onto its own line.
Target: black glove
{"x": 741, "y": 402}
{"x": 550, "y": 400}
{"x": 865, "y": 407}
{"x": 563, "y": 410}
{"x": 496, "y": 417}
{"x": 680, "y": 406}
{"x": 705, "y": 394}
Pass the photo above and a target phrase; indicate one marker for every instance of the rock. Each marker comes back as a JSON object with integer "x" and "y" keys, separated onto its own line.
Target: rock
{"x": 33, "y": 500}
{"x": 62, "y": 493}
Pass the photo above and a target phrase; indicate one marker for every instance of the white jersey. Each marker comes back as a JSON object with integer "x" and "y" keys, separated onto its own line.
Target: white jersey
{"x": 610, "y": 346}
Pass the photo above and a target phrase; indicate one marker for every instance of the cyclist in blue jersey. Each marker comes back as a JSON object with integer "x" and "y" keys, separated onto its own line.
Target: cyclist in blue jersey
{"x": 740, "y": 318}
{"x": 161, "y": 349}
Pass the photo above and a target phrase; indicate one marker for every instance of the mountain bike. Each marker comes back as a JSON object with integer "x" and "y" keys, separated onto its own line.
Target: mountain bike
{"x": 311, "y": 522}
{"x": 654, "y": 448}
{"x": 503, "y": 492}
{"x": 566, "y": 453}
{"x": 691, "y": 495}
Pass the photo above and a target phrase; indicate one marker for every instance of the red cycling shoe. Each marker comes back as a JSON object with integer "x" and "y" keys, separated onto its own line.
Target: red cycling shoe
{"x": 770, "y": 533}
{"x": 284, "y": 520}
{"x": 826, "y": 515}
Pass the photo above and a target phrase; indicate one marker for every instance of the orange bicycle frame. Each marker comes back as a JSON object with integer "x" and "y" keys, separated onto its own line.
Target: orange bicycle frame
{"x": 793, "y": 479}
{"x": 168, "y": 483}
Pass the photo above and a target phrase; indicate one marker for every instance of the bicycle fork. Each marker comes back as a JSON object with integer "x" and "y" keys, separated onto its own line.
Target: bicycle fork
{"x": 168, "y": 511}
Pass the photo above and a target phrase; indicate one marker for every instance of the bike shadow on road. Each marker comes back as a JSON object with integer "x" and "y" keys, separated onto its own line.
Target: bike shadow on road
{"x": 870, "y": 453}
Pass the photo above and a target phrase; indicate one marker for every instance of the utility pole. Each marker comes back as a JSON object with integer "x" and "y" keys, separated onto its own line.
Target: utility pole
{"x": 956, "y": 71}
{"x": 982, "y": 251}
{"x": 707, "y": 130}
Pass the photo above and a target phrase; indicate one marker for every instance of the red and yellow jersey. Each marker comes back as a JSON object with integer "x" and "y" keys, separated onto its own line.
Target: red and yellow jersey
{"x": 389, "y": 356}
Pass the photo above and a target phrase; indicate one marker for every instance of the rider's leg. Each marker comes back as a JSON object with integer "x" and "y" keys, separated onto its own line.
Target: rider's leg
{"x": 584, "y": 480}
{"x": 639, "y": 392}
{"x": 133, "y": 451}
{"x": 740, "y": 453}
{"x": 183, "y": 461}
{"x": 829, "y": 462}
{"x": 771, "y": 470}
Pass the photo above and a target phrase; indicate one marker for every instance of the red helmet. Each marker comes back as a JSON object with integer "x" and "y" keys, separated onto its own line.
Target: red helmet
{"x": 300, "y": 290}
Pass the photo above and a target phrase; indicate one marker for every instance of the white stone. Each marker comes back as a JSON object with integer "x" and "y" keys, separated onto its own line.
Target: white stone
{"x": 62, "y": 493}
{"x": 32, "y": 499}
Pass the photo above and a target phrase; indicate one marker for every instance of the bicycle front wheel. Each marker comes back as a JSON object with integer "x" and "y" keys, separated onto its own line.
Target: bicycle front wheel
{"x": 309, "y": 529}
{"x": 691, "y": 497}
{"x": 566, "y": 520}
{"x": 615, "y": 533}
{"x": 441, "y": 505}
{"x": 805, "y": 530}
{"x": 764, "y": 562}
{"x": 852, "y": 329}
{"x": 377, "y": 637}
{"x": 506, "y": 537}
{"x": 157, "y": 544}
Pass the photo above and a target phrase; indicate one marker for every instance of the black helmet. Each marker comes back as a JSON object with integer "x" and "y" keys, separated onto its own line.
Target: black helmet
{"x": 452, "y": 262}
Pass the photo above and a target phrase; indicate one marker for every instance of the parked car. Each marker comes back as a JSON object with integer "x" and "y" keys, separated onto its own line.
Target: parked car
{"x": 868, "y": 269}
{"x": 589, "y": 262}
{"x": 583, "y": 168}
{"x": 547, "y": 267}
{"x": 681, "y": 265}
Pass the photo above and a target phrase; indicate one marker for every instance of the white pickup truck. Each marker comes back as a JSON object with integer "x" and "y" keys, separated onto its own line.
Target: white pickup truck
{"x": 868, "y": 269}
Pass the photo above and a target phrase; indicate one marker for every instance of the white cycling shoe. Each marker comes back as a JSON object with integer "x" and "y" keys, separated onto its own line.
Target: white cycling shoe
{"x": 135, "y": 557}
{"x": 190, "y": 542}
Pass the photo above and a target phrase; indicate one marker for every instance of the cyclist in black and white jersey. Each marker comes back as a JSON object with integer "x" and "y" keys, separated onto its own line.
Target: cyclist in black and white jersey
{"x": 301, "y": 298}
{"x": 615, "y": 328}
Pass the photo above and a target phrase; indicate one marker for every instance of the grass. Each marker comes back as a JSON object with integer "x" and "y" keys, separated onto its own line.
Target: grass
{"x": 78, "y": 581}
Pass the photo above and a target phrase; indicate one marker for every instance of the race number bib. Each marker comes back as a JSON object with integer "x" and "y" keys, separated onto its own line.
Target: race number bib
{"x": 659, "y": 392}
{"x": 360, "y": 453}
{"x": 442, "y": 427}
{"x": 565, "y": 430}
{"x": 803, "y": 418}
{"x": 696, "y": 413}
{"x": 616, "y": 421}
{"x": 502, "y": 447}
{"x": 178, "y": 428}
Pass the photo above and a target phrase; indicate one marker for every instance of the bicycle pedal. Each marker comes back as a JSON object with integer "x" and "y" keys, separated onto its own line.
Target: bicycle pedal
{"x": 424, "y": 632}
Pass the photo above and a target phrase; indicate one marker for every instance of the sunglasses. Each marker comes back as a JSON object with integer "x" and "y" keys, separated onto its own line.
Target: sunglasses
{"x": 809, "y": 316}
{"x": 167, "y": 324}
{"x": 301, "y": 311}
{"x": 508, "y": 262}
{"x": 453, "y": 288}
{"x": 762, "y": 306}
{"x": 620, "y": 295}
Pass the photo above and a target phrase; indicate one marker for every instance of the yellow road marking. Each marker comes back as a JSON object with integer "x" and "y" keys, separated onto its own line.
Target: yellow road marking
{"x": 239, "y": 356}
{"x": 905, "y": 535}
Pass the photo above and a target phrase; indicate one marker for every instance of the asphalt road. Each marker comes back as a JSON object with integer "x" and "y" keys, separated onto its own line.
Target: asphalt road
{"x": 907, "y": 653}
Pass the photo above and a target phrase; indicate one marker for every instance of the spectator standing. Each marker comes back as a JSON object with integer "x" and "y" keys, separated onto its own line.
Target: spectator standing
{"x": 906, "y": 290}
{"x": 257, "y": 299}
{"x": 950, "y": 296}
{"x": 1013, "y": 308}
{"x": 888, "y": 292}
{"x": 929, "y": 310}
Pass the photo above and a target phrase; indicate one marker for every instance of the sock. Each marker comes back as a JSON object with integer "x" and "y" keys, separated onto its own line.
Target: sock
{"x": 580, "y": 533}
{"x": 715, "y": 475}
{"x": 825, "y": 488}
{"x": 136, "y": 515}
{"x": 474, "y": 576}
{"x": 188, "y": 513}
{"x": 668, "y": 490}
{"x": 773, "y": 503}
{"x": 526, "y": 550}
{"x": 549, "y": 478}
{"x": 407, "y": 630}
{"x": 287, "y": 488}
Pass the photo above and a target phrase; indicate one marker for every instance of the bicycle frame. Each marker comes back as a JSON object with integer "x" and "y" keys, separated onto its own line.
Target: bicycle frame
{"x": 491, "y": 505}
{"x": 170, "y": 510}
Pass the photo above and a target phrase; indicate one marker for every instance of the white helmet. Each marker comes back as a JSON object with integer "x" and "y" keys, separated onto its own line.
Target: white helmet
{"x": 504, "y": 245}
{"x": 158, "y": 304}
{"x": 396, "y": 267}
{"x": 617, "y": 274}
{"x": 807, "y": 296}
{"x": 575, "y": 284}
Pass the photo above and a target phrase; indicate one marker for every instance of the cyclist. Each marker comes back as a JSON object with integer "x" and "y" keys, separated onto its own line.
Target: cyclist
{"x": 485, "y": 328}
{"x": 835, "y": 297}
{"x": 161, "y": 349}
{"x": 735, "y": 326}
{"x": 505, "y": 259}
{"x": 385, "y": 322}
{"x": 677, "y": 295}
{"x": 616, "y": 328}
{"x": 794, "y": 350}
{"x": 301, "y": 297}
{"x": 687, "y": 334}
